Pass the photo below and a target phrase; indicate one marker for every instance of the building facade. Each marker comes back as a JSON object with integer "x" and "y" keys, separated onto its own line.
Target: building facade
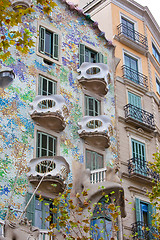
{"x": 56, "y": 112}
{"x": 136, "y": 34}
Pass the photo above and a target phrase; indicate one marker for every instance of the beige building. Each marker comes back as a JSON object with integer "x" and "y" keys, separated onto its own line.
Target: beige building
{"x": 136, "y": 34}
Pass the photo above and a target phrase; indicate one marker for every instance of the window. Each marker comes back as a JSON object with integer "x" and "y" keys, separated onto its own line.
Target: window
{"x": 46, "y": 145}
{"x": 94, "y": 160}
{"x": 128, "y": 28}
{"x": 102, "y": 219}
{"x": 134, "y": 100}
{"x": 158, "y": 85}
{"x": 131, "y": 68}
{"x": 92, "y": 106}
{"x": 48, "y": 43}
{"x": 156, "y": 53}
{"x": 38, "y": 211}
{"x": 46, "y": 86}
{"x": 144, "y": 213}
{"x": 88, "y": 55}
{"x": 139, "y": 156}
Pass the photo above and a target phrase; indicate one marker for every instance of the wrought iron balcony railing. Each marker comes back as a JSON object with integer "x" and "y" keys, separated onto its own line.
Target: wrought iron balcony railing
{"x": 139, "y": 114}
{"x": 135, "y": 76}
{"x": 132, "y": 34}
{"x": 141, "y": 231}
{"x": 140, "y": 166}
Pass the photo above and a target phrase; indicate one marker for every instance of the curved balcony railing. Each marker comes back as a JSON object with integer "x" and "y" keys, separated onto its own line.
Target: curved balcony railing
{"x": 94, "y": 77}
{"x": 132, "y": 34}
{"x": 139, "y": 114}
{"x": 50, "y": 166}
{"x": 95, "y": 130}
{"x": 141, "y": 231}
{"x": 141, "y": 167}
{"x": 17, "y": 4}
{"x": 54, "y": 171}
{"x": 49, "y": 111}
{"x": 135, "y": 76}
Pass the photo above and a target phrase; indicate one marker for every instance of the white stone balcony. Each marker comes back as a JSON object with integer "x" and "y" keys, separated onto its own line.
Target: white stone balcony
{"x": 49, "y": 112}
{"x": 20, "y": 4}
{"x": 54, "y": 170}
{"x": 95, "y": 130}
{"x": 98, "y": 175}
{"x": 94, "y": 77}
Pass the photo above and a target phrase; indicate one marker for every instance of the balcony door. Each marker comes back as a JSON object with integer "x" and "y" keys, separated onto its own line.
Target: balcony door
{"x": 139, "y": 158}
{"x": 131, "y": 68}
{"x": 92, "y": 108}
{"x": 144, "y": 212}
{"x": 128, "y": 28}
{"x": 135, "y": 106}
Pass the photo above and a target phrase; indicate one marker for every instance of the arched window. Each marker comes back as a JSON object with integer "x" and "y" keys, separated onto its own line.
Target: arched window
{"x": 101, "y": 224}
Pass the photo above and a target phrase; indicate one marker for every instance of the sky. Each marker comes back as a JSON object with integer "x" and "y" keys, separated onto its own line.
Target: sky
{"x": 154, "y": 7}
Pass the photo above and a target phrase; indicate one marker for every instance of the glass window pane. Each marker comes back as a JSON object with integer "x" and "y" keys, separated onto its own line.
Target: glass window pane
{"x": 44, "y": 89}
{"x": 44, "y": 141}
{"x": 49, "y": 43}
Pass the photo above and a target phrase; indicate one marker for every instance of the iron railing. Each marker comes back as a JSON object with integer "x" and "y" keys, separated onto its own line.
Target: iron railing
{"x": 139, "y": 114}
{"x": 141, "y": 231}
{"x": 135, "y": 76}
{"x": 132, "y": 34}
{"x": 140, "y": 166}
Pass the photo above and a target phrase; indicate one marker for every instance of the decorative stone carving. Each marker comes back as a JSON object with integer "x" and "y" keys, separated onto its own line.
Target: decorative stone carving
{"x": 56, "y": 171}
{"x": 20, "y": 230}
{"x": 49, "y": 112}
{"x": 95, "y": 130}
{"x": 94, "y": 77}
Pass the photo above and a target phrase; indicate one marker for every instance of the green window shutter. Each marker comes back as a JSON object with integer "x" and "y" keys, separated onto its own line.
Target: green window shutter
{"x": 138, "y": 153}
{"x": 134, "y": 100}
{"x": 138, "y": 209}
{"x": 81, "y": 53}
{"x": 150, "y": 213}
{"x": 55, "y": 45}
{"x": 100, "y": 58}
{"x": 41, "y": 39}
{"x": 30, "y": 212}
{"x": 40, "y": 85}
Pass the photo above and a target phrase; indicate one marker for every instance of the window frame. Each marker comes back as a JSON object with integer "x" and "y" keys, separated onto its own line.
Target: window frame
{"x": 47, "y": 149}
{"x": 157, "y": 85}
{"x": 97, "y": 154}
{"x": 31, "y": 210}
{"x": 155, "y": 51}
{"x": 82, "y": 47}
{"x": 40, "y": 85}
{"x": 43, "y": 55}
{"x": 86, "y": 105}
{"x": 139, "y": 60}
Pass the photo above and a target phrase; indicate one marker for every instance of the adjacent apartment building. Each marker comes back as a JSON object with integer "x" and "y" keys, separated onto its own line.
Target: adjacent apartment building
{"x": 136, "y": 35}
{"x": 60, "y": 108}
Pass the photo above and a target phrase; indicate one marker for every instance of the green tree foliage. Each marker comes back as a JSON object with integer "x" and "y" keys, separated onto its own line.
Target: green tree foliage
{"x": 12, "y": 31}
{"x": 154, "y": 196}
{"x": 72, "y": 221}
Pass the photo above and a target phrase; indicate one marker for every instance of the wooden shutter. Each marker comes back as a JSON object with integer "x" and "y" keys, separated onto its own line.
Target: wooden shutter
{"x": 134, "y": 100}
{"x": 30, "y": 212}
{"x": 150, "y": 213}
{"x": 42, "y": 39}
{"x": 81, "y": 53}
{"x": 55, "y": 46}
{"x": 100, "y": 58}
{"x": 138, "y": 210}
